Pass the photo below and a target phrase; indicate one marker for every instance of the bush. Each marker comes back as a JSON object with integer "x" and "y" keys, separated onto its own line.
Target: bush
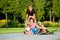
{"x": 16, "y": 24}
{"x": 11, "y": 24}
{"x": 22, "y": 25}
{"x": 2, "y": 23}
{"x": 51, "y": 24}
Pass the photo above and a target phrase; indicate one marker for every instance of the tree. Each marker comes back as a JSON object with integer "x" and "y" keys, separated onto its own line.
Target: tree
{"x": 39, "y": 7}
{"x": 23, "y": 7}
{"x": 16, "y": 8}
{"x": 9, "y": 6}
{"x": 55, "y": 8}
{"x": 4, "y": 6}
{"x": 48, "y": 9}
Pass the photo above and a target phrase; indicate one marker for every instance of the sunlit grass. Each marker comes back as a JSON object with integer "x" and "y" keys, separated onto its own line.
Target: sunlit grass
{"x": 11, "y": 30}
{"x": 57, "y": 29}
{"x": 21, "y": 30}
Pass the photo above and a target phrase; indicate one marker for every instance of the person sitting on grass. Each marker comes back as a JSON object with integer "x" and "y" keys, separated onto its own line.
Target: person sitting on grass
{"x": 42, "y": 28}
{"x": 27, "y": 30}
{"x": 33, "y": 26}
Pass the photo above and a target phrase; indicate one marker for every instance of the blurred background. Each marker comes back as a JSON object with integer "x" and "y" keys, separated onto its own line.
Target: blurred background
{"x": 13, "y": 14}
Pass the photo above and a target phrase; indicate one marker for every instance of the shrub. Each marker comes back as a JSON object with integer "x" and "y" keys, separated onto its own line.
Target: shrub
{"x": 51, "y": 24}
{"x": 16, "y": 24}
{"x": 11, "y": 24}
{"x": 2, "y": 23}
{"x": 22, "y": 25}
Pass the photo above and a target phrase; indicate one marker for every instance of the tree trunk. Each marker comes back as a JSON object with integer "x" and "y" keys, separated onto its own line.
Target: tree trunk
{"x": 6, "y": 21}
{"x": 50, "y": 17}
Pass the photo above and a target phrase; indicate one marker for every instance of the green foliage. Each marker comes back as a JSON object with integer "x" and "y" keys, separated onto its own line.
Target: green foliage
{"x": 13, "y": 24}
{"x": 23, "y": 7}
{"x": 56, "y": 8}
{"x": 39, "y": 7}
{"x": 42, "y": 7}
{"x": 48, "y": 8}
{"x": 51, "y": 24}
{"x": 2, "y": 25}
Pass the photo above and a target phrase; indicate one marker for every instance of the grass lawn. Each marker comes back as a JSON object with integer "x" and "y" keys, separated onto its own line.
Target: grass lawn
{"x": 20, "y": 30}
{"x": 11, "y": 30}
{"x": 57, "y": 29}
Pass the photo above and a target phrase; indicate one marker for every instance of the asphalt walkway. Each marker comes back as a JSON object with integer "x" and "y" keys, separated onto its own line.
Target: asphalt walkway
{"x": 21, "y": 36}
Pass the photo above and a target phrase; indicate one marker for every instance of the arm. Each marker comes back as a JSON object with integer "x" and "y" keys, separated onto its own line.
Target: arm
{"x": 37, "y": 26}
{"x": 34, "y": 16}
{"x": 26, "y": 16}
{"x": 26, "y": 20}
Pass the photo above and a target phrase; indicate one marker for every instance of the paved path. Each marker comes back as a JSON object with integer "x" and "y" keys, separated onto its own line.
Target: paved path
{"x": 21, "y": 36}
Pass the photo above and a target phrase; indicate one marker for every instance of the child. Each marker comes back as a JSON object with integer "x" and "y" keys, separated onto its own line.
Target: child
{"x": 27, "y": 30}
{"x": 33, "y": 26}
{"x": 42, "y": 28}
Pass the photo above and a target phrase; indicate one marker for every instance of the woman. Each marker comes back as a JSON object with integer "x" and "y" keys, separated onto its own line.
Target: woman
{"x": 30, "y": 14}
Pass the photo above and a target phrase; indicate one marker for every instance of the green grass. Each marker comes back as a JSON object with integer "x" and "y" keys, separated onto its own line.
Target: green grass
{"x": 57, "y": 29}
{"x": 20, "y": 30}
{"x": 11, "y": 30}
{"x": 58, "y": 39}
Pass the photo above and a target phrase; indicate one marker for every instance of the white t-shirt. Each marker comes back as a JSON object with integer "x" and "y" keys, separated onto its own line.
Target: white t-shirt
{"x": 28, "y": 29}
